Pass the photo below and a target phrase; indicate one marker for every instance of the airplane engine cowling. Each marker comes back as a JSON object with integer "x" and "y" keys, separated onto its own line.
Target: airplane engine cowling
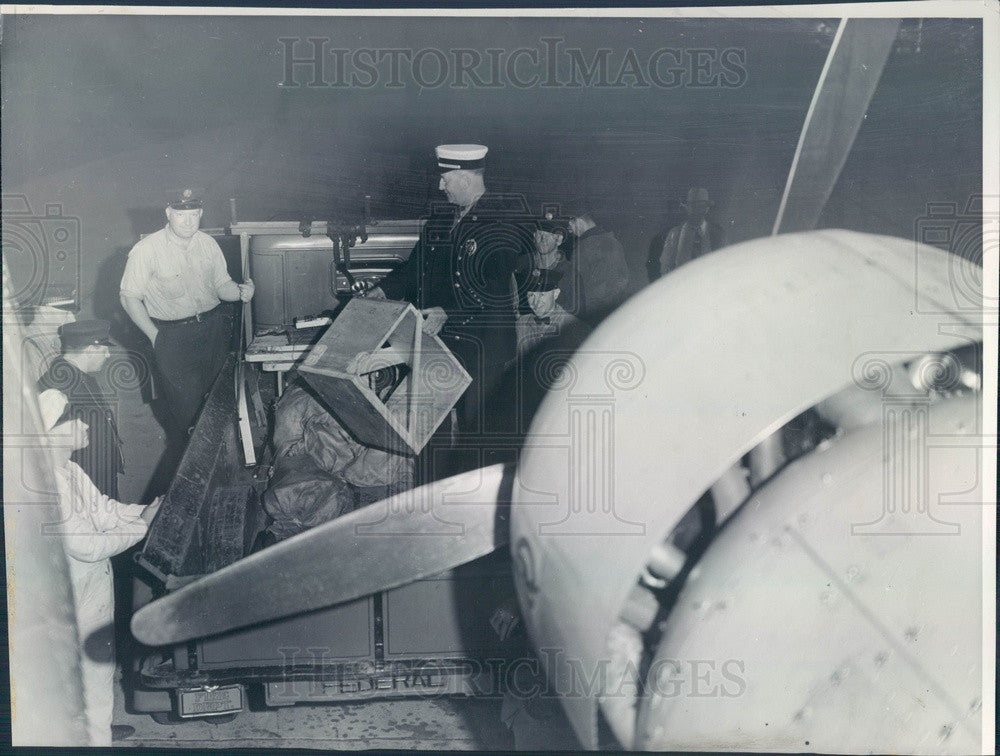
{"x": 837, "y": 610}
{"x": 672, "y": 390}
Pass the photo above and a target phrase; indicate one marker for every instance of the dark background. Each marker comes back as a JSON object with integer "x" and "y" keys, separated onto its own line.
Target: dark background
{"x": 104, "y": 115}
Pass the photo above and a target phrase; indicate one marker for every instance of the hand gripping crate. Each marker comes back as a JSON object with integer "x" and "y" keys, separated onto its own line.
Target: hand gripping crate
{"x": 389, "y": 384}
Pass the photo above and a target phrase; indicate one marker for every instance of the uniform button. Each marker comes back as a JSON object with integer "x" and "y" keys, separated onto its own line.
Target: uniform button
{"x": 458, "y": 286}
{"x": 458, "y": 273}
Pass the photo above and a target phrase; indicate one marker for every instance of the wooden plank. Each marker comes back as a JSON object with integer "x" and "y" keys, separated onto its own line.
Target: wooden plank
{"x": 383, "y": 358}
{"x": 245, "y": 265}
{"x": 172, "y": 546}
{"x": 412, "y": 409}
{"x": 253, "y": 389}
{"x": 360, "y": 412}
{"x": 243, "y": 414}
{"x": 277, "y": 354}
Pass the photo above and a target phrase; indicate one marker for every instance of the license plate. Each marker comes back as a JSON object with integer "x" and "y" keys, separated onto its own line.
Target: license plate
{"x": 203, "y": 703}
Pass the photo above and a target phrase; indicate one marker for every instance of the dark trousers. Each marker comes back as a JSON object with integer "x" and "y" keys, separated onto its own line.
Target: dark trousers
{"x": 484, "y": 422}
{"x": 189, "y": 356}
{"x": 485, "y": 361}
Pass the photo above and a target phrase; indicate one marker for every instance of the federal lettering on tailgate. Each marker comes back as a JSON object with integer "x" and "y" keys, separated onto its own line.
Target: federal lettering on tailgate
{"x": 225, "y": 700}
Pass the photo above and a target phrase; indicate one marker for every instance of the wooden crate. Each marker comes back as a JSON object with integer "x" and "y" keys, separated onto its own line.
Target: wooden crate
{"x": 375, "y": 334}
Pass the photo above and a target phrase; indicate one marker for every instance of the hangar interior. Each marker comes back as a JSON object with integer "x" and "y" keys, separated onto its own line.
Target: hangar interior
{"x": 285, "y": 118}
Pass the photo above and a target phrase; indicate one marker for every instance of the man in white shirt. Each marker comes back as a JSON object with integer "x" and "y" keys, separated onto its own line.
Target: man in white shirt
{"x": 172, "y": 288}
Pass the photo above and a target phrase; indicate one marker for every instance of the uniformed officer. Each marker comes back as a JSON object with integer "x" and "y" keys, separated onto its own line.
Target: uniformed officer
{"x": 461, "y": 276}
{"x": 174, "y": 282}
{"x": 85, "y": 351}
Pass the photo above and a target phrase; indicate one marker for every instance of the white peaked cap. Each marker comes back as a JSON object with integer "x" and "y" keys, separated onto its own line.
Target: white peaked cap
{"x": 457, "y": 157}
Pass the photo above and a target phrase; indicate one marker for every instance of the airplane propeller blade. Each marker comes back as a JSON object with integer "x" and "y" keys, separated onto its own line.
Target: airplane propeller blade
{"x": 398, "y": 540}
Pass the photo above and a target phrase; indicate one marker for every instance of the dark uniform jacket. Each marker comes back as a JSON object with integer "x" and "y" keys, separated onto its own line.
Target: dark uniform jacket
{"x": 101, "y": 459}
{"x": 465, "y": 267}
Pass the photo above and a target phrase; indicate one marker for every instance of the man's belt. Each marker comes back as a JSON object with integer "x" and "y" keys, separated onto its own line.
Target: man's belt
{"x": 183, "y": 321}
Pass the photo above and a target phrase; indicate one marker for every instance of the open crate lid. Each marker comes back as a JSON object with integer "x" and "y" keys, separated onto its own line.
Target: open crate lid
{"x": 372, "y": 338}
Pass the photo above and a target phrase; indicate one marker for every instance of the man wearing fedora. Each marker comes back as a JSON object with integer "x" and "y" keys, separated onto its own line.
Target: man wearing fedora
{"x": 695, "y": 237}
{"x": 84, "y": 345}
{"x": 172, "y": 289}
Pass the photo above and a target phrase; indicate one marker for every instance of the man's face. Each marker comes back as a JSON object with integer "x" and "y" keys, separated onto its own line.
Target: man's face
{"x": 542, "y": 303}
{"x": 576, "y": 226}
{"x": 97, "y": 356}
{"x": 546, "y": 243}
{"x": 455, "y": 185}
{"x": 184, "y": 223}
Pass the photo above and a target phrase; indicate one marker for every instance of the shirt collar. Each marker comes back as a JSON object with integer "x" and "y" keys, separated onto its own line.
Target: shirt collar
{"x": 462, "y": 212}
{"x": 172, "y": 238}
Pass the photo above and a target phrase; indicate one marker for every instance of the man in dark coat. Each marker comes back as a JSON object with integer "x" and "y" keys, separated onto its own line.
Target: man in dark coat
{"x": 695, "y": 237}
{"x": 460, "y": 276}
{"x": 598, "y": 275}
{"x": 84, "y": 353}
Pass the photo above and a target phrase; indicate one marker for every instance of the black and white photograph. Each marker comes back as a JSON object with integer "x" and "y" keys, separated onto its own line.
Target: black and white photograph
{"x": 525, "y": 379}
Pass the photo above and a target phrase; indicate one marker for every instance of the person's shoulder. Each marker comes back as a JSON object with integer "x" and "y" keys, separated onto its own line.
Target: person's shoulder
{"x": 150, "y": 242}
{"x": 206, "y": 240}
{"x": 75, "y": 474}
{"x": 66, "y": 480}
{"x": 502, "y": 204}
{"x": 566, "y": 318}
{"x": 606, "y": 238}
{"x": 57, "y": 373}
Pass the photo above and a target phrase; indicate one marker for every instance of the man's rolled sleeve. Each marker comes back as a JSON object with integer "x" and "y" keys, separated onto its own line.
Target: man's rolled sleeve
{"x": 135, "y": 279}
{"x": 219, "y": 271}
